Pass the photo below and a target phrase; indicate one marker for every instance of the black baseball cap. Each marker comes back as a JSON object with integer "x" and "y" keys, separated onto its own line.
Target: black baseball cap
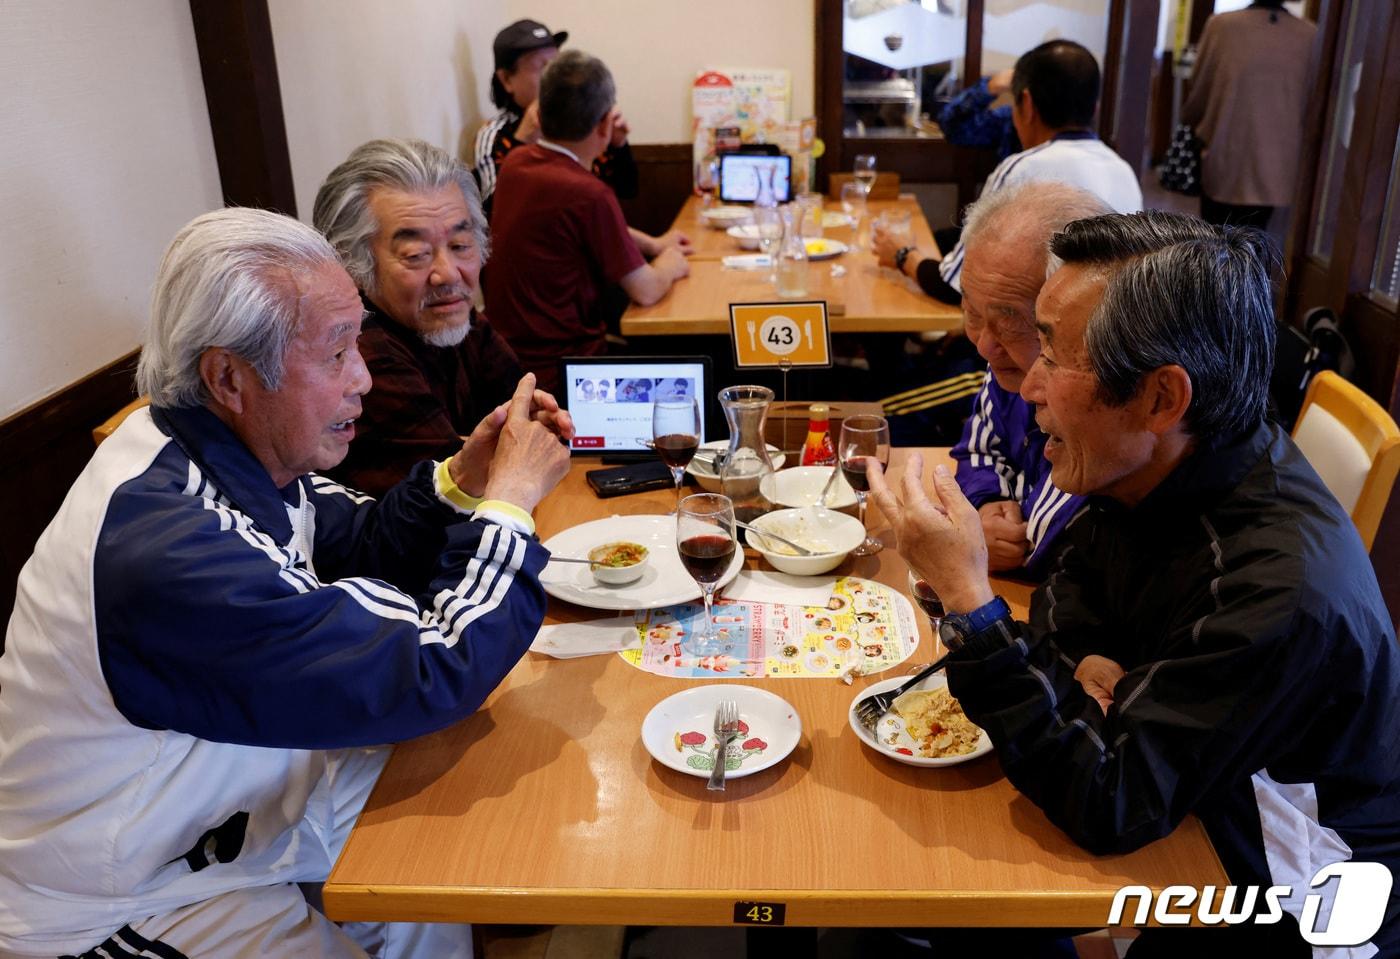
{"x": 522, "y": 36}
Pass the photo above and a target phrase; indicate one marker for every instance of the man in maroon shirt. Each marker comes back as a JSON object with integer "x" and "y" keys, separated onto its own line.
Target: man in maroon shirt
{"x": 405, "y": 219}
{"x": 559, "y": 236}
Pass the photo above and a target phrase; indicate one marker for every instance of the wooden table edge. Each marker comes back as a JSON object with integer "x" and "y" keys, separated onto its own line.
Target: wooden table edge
{"x": 350, "y": 902}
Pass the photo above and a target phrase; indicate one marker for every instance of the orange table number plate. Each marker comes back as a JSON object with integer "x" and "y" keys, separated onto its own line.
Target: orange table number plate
{"x": 781, "y": 334}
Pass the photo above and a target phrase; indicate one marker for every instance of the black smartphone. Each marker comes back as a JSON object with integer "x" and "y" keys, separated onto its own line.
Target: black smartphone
{"x": 633, "y": 478}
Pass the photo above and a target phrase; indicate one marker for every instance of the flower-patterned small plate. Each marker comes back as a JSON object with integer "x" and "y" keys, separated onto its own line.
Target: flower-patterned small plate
{"x": 679, "y": 732}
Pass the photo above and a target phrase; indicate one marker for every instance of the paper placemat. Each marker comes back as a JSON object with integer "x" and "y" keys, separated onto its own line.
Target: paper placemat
{"x": 864, "y": 625}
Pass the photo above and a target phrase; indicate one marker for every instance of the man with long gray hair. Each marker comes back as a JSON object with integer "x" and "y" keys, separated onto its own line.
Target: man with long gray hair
{"x": 211, "y": 639}
{"x": 1211, "y": 638}
{"x": 1001, "y": 464}
{"x": 405, "y": 218}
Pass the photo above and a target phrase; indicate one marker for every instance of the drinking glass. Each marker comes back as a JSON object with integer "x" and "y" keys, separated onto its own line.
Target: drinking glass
{"x": 863, "y": 438}
{"x": 706, "y": 542}
{"x": 864, "y": 170}
{"x": 706, "y": 180}
{"x": 768, "y": 223}
{"x": 853, "y": 205}
{"x": 926, "y": 599}
{"x": 675, "y": 431}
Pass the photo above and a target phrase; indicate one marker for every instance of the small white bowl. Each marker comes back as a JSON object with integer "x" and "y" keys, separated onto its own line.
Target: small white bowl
{"x": 802, "y": 486}
{"x": 703, "y": 466}
{"x": 618, "y": 575}
{"x": 723, "y": 217}
{"x": 746, "y": 236}
{"x": 812, "y": 527}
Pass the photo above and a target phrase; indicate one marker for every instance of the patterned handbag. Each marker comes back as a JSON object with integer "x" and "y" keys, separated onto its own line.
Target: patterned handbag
{"x": 1181, "y": 170}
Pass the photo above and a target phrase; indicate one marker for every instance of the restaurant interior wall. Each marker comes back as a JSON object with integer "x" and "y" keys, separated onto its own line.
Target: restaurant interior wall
{"x": 422, "y": 68}
{"x": 106, "y": 148}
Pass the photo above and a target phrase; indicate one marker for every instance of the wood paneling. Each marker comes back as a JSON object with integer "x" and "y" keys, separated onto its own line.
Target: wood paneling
{"x": 664, "y": 178}
{"x": 46, "y": 447}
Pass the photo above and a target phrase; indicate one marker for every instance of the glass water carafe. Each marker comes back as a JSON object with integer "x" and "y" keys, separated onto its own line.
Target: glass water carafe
{"x": 791, "y": 269}
{"x": 747, "y": 462}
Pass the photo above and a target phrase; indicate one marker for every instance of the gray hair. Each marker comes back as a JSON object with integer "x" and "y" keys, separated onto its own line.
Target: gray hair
{"x": 1180, "y": 292}
{"x": 576, "y": 92}
{"x": 342, "y": 210}
{"x": 1031, "y": 211}
{"x": 228, "y": 280}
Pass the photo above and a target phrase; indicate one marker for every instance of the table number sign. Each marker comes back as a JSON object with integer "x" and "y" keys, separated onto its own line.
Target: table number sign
{"x": 783, "y": 334}
{"x": 760, "y": 913}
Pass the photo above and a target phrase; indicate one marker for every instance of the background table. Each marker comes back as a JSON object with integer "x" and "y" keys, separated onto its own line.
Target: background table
{"x": 865, "y": 300}
{"x": 544, "y": 807}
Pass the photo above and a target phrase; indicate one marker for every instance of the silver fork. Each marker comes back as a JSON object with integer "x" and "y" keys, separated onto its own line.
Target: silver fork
{"x": 726, "y": 729}
{"x": 870, "y": 709}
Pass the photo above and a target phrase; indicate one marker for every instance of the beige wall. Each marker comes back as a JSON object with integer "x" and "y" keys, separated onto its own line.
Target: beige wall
{"x": 422, "y": 67}
{"x": 106, "y": 152}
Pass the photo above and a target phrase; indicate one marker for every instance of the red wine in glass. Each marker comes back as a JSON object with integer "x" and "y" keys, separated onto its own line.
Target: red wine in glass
{"x": 677, "y": 449}
{"x": 854, "y": 471}
{"x": 928, "y": 601}
{"x": 706, "y": 557}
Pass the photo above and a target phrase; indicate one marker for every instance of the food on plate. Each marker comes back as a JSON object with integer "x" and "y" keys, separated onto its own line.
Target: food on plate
{"x": 933, "y": 719}
{"x": 618, "y": 555}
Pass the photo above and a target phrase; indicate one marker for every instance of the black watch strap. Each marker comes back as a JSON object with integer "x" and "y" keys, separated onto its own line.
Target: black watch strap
{"x": 900, "y": 256}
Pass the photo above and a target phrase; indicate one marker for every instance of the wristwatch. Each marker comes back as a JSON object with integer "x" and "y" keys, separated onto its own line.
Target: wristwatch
{"x": 957, "y": 628}
{"x": 900, "y": 256}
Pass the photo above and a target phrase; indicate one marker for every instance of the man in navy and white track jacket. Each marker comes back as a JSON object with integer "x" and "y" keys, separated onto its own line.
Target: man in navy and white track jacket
{"x": 211, "y": 640}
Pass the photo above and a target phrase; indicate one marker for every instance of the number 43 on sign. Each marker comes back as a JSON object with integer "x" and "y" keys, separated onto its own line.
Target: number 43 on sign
{"x": 780, "y": 334}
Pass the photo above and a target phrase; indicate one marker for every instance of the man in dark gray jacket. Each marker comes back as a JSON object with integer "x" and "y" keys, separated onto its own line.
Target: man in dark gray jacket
{"x": 1211, "y": 640}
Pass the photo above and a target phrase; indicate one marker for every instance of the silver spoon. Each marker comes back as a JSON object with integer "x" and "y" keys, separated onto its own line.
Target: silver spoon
{"x": 801, "y": 550}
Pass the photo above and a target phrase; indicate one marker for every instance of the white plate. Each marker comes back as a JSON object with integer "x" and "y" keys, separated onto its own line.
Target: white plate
{"x": 820, "y": 248}
{"x": 892, "y": 726}
{"x": 746, "y": 236}
{"x": 673, "y": 729}
{"x": 664, "y": 583}
{"x": 703, "y": 466}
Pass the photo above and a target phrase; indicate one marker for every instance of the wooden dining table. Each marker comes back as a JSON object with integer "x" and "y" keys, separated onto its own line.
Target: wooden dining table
{"x": 545, "y": 807}
{"x": 864, "y": 299}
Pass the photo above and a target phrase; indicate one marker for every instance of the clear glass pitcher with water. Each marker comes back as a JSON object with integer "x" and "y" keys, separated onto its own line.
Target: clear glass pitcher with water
{"x": 790, "y": 272}
{"x": 747, "y": 461}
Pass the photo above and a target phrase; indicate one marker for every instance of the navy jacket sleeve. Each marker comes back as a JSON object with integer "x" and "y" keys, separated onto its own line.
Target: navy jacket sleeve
{"x": 1235, "y": 686}
{"x": 208, "y": 626}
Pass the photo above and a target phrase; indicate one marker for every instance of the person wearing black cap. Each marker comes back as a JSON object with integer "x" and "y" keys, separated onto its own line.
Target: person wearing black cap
{"x": 522, "y": 51}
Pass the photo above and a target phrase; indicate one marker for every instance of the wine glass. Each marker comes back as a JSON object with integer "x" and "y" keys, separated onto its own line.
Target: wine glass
{"x": 863, "y": 438}
{"x": 853, "y": 205}
{"x": 706, "y": 542}
{"x": 864, "y": 170}
{"x": 928, "y": 600}
{"x": 675, "y": 431}
{"x": 706, "y": 180}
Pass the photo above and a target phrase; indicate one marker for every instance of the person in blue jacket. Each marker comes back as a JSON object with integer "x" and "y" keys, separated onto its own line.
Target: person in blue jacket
{"x": 212, "y": 640}
{"x": 1001, "y": 466}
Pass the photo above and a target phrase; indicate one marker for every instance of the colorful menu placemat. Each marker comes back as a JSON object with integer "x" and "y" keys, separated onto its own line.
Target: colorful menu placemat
{"x": 865, "y": 626}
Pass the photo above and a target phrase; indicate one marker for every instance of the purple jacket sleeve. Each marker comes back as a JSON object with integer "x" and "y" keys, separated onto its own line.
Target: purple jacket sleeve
{"x": 983, "y": 471}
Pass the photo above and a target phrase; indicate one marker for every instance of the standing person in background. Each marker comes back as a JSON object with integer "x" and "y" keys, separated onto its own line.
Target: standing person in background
{"x": 970, "y": 120}
{"x": 522, "y": 51}
{"x": 1246, "y": 105}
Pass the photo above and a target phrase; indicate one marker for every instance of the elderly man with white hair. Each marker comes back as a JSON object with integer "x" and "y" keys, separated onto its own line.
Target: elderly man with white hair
{"x": 405, "y": 217}
{"x": 211, "y": 639}
{"x": 1001, "y": 463}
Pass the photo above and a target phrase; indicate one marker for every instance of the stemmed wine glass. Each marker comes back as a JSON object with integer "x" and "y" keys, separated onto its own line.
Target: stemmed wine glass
{"x": 863, "y": 438}
{"x": 706, "y": 179}
{"x": 706, "y": 541}
{"x": 675, "y": 431}
{"x": 928, "y": 600}
{"x": 864, "y": 170}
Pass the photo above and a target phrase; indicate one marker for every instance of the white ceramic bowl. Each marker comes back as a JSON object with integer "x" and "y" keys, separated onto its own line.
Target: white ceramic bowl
{"x": 802, "y": 486}
{"x": 816, "y": 528}
{"x": 746, "y": 236}
{"x": 703, "y": 466}
{"x": 618, "y": 575}
{"x": 723, "y": 217}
